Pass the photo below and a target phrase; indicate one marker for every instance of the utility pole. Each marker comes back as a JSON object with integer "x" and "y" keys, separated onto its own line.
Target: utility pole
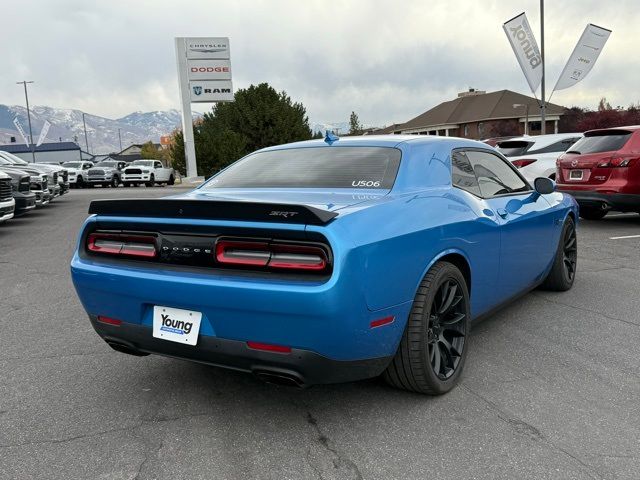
{"x": 543, "y": 108}
{"x": 86, "y": 141}
{"x": 26, "y": 97}
{"x": 120, "y": 139}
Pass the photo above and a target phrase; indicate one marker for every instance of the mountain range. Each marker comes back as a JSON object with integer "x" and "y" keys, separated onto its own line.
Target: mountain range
{"x": 102, "y": 132}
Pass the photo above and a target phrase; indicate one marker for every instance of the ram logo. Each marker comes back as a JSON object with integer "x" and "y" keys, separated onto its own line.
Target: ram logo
{"x": 276, "y": 213}
{"x": 197, "y": 90}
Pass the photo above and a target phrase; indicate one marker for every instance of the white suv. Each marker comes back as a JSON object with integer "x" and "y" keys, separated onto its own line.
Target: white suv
{"x": 78, "y": 172}
{"x": 148, "y": 172}
{"x": 536, "y": 156}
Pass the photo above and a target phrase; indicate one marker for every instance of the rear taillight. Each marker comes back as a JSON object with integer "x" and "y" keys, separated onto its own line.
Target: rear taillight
{"x": 523, "y": 162}
{"x": 121, "y": 244}
{"x": 616, "y": 162}
{"x": 271, "y": 255}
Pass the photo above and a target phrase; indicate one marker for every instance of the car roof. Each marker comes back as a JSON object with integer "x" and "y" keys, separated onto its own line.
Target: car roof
{"x": 384, "y": 141}
{"x": 629, "y": 127}
{"x": 542, "y": 140}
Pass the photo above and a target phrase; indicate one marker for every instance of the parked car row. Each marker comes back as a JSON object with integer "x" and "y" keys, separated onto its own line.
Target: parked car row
{"x": 25, "y": 186}
{"x": 599, "y": 168}
{"x": 112, "y": 173}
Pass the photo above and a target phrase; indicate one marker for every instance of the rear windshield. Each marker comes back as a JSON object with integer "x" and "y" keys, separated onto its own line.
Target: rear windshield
{"x": 323, "y": 167}
{"x": 606, "y": 142}
{"x": 513, "y": 148}
{"x": 71, "y": 164}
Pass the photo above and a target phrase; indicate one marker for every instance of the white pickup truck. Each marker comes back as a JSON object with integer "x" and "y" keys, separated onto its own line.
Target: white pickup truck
{"x": 148, "y": 172}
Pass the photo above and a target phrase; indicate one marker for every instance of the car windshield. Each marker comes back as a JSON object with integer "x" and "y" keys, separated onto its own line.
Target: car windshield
{"x": 601, "y": 142}
{"x": 513, "y": 148}
{"x": 336, "y": 167}
{"x": 106, "y": 164}
{"x": 144, "y": 163}
{"x": 72, "y": 165}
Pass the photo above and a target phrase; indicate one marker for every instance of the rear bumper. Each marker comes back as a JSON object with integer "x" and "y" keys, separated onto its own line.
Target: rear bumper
{"x": 609, "y": 201}
{"x": 300, "y": 367}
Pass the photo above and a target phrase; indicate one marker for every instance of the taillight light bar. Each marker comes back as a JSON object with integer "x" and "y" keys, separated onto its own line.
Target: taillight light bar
{"x": 267, "y": 255}
{"x": 142, "y": 246}
{"x": 615, "y": 162}
{"x": 523, "y": 162}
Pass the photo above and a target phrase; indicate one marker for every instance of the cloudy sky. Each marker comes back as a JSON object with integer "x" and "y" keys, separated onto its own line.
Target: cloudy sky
{"x": 388, "y": 61}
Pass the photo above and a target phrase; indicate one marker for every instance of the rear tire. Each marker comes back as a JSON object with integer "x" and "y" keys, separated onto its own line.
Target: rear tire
{"x": 563, "y": 271}
{"x": 171, "y": 181}
{"x": 590, "y": 213}
{"x": 433, "y": 348}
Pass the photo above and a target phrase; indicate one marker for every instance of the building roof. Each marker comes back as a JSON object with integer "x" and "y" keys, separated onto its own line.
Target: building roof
{"x": 479, "y": 107}
{"x": 45, "y": 147}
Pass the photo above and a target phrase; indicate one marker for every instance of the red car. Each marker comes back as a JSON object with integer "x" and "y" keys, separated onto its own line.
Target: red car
{"x": 602, "y": 171}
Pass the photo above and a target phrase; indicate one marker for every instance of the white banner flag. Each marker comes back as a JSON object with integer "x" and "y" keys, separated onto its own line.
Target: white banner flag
{"x": 526, "y": 49}
{"x": 16, "y": 122}
{"x": 584, "y": 56}
{"x": 43, "y": 133}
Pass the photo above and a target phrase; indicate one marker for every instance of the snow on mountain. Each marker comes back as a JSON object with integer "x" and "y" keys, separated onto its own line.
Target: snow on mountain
{"x": 336, "y": 127}
{"x": 102, "y": 133}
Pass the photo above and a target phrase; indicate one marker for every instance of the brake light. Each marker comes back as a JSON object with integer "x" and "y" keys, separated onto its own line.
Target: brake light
{"x": 125, "y": 245}
{"x": 279, "y": 256}
{"x": 616, "y": 162}
{"x": 523, "y": 162}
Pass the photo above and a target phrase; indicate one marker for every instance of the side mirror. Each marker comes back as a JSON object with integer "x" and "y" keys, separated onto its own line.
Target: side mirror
{"x": 544, "y": 185}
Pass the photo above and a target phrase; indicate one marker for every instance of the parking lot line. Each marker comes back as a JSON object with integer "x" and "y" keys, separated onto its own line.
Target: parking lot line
{"x": 626, "y": 236}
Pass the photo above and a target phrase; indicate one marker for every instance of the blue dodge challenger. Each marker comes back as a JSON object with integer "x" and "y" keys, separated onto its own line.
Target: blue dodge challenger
{"x": 327, "y": 261}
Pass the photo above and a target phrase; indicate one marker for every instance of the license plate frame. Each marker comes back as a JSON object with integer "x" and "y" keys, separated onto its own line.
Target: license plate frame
{"x": 576, "y": 175}
{"x": 176, "y": 324}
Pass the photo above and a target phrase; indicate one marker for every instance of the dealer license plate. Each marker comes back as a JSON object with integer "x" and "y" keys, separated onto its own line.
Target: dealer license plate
{"x": 176, "y": 325}
{"x": 575, "y": 175}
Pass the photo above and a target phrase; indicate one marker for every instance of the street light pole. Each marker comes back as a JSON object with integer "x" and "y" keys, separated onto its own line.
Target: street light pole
{"x": 543, "y": 108}
{"x": 26, "y": 97}
{"x": 120, "y": 139}
{"x": 86, "y": 141}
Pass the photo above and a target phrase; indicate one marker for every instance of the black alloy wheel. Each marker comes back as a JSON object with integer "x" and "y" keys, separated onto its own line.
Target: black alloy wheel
{"x": 565, "y": 263}
{"x": 570, "y": 251}
{"x": 431, "y": 355}
{"x": 447, "y": 329}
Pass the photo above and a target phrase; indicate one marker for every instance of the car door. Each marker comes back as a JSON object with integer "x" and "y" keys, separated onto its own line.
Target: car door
{"x": 160, "y": 172}
{"x": 527, "y": 222}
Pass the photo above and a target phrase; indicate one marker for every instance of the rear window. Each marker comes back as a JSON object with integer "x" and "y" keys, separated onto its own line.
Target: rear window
{"x": 513, "y": 148}
{"x": 601, "y": 142}
{"x": 323, "y": 167}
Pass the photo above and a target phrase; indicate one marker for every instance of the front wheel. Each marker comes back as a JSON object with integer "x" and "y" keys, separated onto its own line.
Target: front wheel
{"x": 172, "y": 180}
{"x": 590, "y": 213}
{"x": 563, "y": 271}
{"x": 151, "y": 181}
{"x": 115, "y": 182}
{"x": 433, "y": 348}
{"x": 80, "y": 183}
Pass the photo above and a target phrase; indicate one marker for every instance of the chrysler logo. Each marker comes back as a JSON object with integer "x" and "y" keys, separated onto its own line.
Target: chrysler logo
{"x": 574, "y": 163}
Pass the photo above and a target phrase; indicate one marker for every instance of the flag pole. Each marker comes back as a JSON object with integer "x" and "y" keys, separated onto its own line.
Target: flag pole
{"x": 543, "y": 111}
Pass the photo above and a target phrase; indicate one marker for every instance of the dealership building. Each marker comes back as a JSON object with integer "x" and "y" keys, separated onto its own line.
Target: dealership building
{"x": 54, "y": 152}
{"x": 478, "y": 115}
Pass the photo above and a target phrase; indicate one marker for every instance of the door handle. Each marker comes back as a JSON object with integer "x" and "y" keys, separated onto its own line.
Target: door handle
{"x": 502, "y": 212}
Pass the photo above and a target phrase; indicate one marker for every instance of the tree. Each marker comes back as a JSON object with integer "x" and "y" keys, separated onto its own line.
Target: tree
{"x": 150, "y": 151}
{"x": 176, "y": 152}
{"x": 355, "y": 127}
{"x": 258, "y": 117}
{"x": 318, "y": 135}
{"x": 570, "y": 119}
{"x": 505, "y": 128}
{"x": 603, "y": 105}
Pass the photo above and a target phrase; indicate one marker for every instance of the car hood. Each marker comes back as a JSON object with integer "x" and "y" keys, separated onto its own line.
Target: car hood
{"x": 331, "y": 201}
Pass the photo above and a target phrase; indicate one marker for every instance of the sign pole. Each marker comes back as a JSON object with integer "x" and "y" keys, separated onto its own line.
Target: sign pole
{"x": 543, "y": 110}
{"x": 187, "y": 117}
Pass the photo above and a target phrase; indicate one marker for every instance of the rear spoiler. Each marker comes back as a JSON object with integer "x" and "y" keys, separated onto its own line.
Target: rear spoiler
{"x": 212, "y": 210}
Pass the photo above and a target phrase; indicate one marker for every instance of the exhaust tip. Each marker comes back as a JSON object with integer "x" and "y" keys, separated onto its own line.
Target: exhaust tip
{"x": 124, "y": 348}
{"x": 288, "y": 379}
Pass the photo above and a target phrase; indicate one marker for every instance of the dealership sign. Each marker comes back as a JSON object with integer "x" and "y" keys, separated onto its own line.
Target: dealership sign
{"x": 204, "y": 76}
{"x": 211, "y": 91}
{"x": 209, "y": 69}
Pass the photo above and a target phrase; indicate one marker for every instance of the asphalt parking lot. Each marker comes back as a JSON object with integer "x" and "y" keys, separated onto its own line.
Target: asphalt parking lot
{"x": 551, "y": 388}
